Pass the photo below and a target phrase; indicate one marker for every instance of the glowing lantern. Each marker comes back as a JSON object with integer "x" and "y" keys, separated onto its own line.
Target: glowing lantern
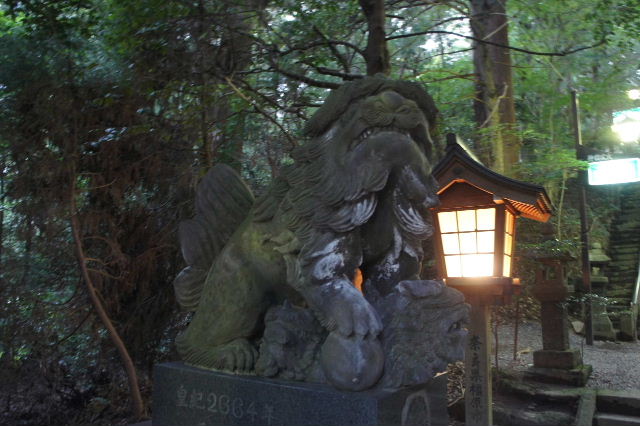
{"x": 475, "y": 237}
{"x": 471, "y": 238}
{"x": 475, "y": 222}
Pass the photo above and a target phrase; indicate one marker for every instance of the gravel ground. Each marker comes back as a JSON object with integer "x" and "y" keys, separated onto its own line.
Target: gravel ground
{"x": 616, "y": 365}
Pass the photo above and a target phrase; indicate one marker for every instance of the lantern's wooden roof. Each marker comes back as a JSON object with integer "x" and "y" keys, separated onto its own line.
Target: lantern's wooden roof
{"x": 457, "y": 166}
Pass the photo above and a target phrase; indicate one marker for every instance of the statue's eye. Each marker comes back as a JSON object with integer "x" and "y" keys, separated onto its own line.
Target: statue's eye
{"x": 456, "y": 326}
{"x": 376, "y": 114}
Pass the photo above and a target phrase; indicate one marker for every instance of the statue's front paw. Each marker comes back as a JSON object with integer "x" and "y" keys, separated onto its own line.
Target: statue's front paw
{"x": 350, "y": 314}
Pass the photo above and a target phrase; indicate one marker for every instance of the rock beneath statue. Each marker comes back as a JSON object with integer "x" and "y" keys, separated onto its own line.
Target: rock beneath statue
{"x": 424, "y": 330}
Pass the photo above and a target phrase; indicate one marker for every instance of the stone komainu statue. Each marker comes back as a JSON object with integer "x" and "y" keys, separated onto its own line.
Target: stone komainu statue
{"x": 318, "y": 280}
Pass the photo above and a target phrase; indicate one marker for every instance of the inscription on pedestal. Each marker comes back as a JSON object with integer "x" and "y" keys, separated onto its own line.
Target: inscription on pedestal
{"x": 478, "y": 398}
{"x": 475, "y": 388}
{"x": 187, "y": 396}
{"x": 225, "y": 407}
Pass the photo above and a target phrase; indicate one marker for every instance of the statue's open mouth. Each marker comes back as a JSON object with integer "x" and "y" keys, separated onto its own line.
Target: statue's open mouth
{"x": 457, "y": 335}
{"x": 370, "y": 131}
{"x": 459, "y": 326}
{"x": 417, "y": 135}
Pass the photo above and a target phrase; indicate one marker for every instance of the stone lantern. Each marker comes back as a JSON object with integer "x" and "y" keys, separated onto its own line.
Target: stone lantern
{"x": 602, "y": 325}
{"x": 556, "y": 361}
{"x": 598, "y": 260}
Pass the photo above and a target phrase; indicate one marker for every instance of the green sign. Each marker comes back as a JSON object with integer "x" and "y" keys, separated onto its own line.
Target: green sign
{"x": 614, "y": 171}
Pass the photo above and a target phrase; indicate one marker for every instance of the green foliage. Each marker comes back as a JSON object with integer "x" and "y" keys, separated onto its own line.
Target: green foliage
{"x": 131, "y": 102}
{"x": 591, "y": 298}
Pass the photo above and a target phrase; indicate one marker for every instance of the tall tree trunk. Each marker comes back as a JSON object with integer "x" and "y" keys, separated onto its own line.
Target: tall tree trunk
{"x": 3, "y": 198}
{"x": 376, "y": 53}
{"x": 216, "y": 64}
{"x": 494, "y": 105}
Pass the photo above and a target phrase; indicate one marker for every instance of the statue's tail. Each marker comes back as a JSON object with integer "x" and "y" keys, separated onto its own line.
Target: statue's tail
{"x": 222, "y": 203}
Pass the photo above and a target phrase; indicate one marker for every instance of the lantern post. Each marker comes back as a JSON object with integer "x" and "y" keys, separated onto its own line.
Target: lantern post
{"x": 475, "y": 239}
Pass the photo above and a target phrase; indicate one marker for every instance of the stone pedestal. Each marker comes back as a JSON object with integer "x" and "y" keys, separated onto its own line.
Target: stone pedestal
{"x": 556, "y": 362}
{"x": 602, "y": 325}
{"x": 628, "y": 319}
{"x": 553, "y": 317}
{"x": 566, "y": 359}
{"x": 188, "y": 396}
{"x": 574, "y": 377}
{"x": 564, "y": 367}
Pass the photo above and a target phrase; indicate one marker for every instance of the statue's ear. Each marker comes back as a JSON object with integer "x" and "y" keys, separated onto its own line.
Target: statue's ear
{"x": 340, "y": 99}
{"x": 332, "y": 108}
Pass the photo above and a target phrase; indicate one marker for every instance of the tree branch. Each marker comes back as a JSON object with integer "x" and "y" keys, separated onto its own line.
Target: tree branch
{"x": 261, "y": 111}
{"x": 517, "y": 49}
{"x": 134, "y": 388}
{"x": 303, "y": 78}
{"x": 270, "y": 101}
{"x": 323, "y": 43}
{"x": 453, "y": 52}
{"x": 494, "y": 110}
{"x": 335, "y": 73}
{"x": 299, "y": 77}
{"x": 339, "y": 56}
{"x": 451, "y": 77}
{"x": 103, "y": 273}
{"x": 72, "y": 331}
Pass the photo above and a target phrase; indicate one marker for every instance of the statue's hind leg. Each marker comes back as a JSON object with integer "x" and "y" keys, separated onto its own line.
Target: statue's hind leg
{"x": 228, "y": 316}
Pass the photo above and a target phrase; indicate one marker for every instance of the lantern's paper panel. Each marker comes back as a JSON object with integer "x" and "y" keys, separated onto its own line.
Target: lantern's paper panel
{"x": 468, "y": 241}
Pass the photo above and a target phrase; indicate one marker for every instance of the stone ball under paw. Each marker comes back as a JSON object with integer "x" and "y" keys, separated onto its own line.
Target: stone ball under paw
{"x": 351, "y": 363}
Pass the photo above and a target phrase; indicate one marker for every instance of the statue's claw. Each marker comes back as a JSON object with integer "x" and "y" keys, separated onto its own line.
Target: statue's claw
{"x": 365, "y": 320}
{"x": 238, "y": 355}
{"x": 352, "y": 314}
{"x": 420, "y": 288}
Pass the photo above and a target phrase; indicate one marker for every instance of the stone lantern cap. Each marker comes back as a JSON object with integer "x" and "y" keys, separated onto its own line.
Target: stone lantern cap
{"x": 597, "y": 255}
{"x": 551, "y": 251}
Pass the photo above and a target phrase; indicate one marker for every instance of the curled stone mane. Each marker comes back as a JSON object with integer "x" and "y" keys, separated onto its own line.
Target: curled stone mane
{"x": 339, "y": 100}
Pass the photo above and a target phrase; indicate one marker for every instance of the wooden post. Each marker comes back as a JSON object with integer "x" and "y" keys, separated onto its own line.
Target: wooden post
{"x": 478, "y": 400}
{"x": 584, "y": 227}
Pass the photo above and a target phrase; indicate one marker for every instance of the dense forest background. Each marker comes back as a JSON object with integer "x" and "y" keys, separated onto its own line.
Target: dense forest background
{"x": 111, "y": 110}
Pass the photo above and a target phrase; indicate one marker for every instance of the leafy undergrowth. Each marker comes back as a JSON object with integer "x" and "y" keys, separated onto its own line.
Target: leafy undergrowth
{"x": 455, "y": 385}
{"x": 48, "y": 393}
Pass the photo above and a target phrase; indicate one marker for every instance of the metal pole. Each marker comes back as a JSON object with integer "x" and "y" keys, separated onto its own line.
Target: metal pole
{"x": 478, "y": 400}
{"x": 584, "y": 229}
